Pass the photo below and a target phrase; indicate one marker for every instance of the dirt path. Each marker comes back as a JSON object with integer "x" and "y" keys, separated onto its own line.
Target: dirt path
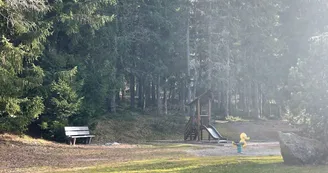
{"x": 252, "y": 149}
{"x": 20, "y": 156}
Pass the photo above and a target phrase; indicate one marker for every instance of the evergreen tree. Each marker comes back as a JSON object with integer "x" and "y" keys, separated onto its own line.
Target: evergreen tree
{"x": 21, "y": 44}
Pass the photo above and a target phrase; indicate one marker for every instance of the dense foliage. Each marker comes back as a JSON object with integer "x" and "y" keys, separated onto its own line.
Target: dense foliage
{"x": 72, "y": 61}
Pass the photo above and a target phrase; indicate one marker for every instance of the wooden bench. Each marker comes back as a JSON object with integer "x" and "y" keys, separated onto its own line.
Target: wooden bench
{"x": 72, "y": 133}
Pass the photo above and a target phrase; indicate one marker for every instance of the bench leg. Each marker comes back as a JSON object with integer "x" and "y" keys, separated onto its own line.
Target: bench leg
{"x": 90, "y": 140}
{"x": 74, "y": 140}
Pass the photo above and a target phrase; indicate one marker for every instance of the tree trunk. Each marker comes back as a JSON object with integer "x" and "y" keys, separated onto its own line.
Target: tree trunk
{"x": 182, "y": 98}
{"x": 132, "y": 91}
{"x": 209, "y": 80}
{"x": 115, "y": 95}
{"x": 270, "y": 108}
{"x": 174, "y": 94}
{"x": 241, "y": 97}
{"x": 113, "y": 102}
{"x": 118, "y": 98}
{"x": 140, "y": 93}
{"x": 228, "y": 54}
{"x": 249, "y": 99}
{"x": 230, "y": 103}
{"x": 256, "y": 100}
{"x": 262, "y": 103}
{"x": 147, "y": 91}
{"x": 165, "y": 101}
{"x": 244, "y": 97}
{"x": 222, "y": 103}
{"x": 123, "y": 93}
{"x": 193, "y": 108}
{"x": 194, "y": 91}
{"x": 153, "y": 92}
{"x": 228, "y": 82}
{"x": 137, "y": 88}
{"x": 188, "y": 61}
{"x": 236, "y": 100}
{"x": 169, "y": 97}
{"x": 159, "y": 101}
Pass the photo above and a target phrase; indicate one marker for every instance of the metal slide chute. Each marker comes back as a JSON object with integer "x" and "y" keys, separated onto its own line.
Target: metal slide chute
{"x": 213, "y": 133}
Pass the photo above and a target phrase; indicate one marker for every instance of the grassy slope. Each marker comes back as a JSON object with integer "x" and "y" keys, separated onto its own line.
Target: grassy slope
{"x": 257, "y": 130}
{"x": 132, "y": 127}
{"x": 135, "y": 128}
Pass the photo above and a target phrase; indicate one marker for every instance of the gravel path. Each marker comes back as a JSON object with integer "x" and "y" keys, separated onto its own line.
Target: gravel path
{"x": 252, "y": 149}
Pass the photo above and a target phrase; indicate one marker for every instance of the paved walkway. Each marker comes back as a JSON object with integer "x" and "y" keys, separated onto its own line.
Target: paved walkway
{"x": 252, "y": 149}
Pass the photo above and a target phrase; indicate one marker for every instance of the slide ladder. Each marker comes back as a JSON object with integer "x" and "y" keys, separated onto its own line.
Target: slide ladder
{"x": 190, "y": 130}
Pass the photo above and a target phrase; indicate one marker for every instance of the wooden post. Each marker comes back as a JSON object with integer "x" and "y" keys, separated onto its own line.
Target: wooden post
{"x": 209, "y": 111}
{"x": 198, "y": 116}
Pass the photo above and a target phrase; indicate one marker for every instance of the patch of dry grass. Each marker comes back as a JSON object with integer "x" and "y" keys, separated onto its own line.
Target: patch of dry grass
{"x": 24, "y": 155}
{"x": 140, "y": 128}
{"x": 23, "y": 139}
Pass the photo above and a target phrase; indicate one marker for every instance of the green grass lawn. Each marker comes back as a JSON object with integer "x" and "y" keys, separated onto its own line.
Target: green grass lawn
{"x": 270, "y": 164}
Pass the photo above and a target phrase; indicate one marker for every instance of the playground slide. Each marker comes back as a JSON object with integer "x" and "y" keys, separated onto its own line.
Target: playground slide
{"x": 217, "y": 132}
{"x": 214, "y": 133}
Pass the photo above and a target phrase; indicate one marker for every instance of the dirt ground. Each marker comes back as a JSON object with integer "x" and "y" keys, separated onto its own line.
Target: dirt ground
{"x": 31, "y": 155}
{"x": 18, "y": 155}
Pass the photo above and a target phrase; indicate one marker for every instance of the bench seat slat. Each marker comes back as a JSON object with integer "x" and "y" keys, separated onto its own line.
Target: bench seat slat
{"x": 71, "y": 133}
{"x": 76, "y": 128}
{"x": 84, "y": 136}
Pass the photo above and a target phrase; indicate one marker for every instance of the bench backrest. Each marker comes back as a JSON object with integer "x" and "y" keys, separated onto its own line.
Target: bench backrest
{"x": 77, "y": 130}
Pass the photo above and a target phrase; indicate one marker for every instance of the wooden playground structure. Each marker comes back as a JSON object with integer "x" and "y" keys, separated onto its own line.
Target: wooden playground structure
{"x": 201, "y": 120}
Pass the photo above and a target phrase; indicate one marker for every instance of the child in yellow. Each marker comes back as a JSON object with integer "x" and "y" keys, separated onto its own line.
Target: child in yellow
{"x": 242, "y": 143}
{"x": 243, "y": 138}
